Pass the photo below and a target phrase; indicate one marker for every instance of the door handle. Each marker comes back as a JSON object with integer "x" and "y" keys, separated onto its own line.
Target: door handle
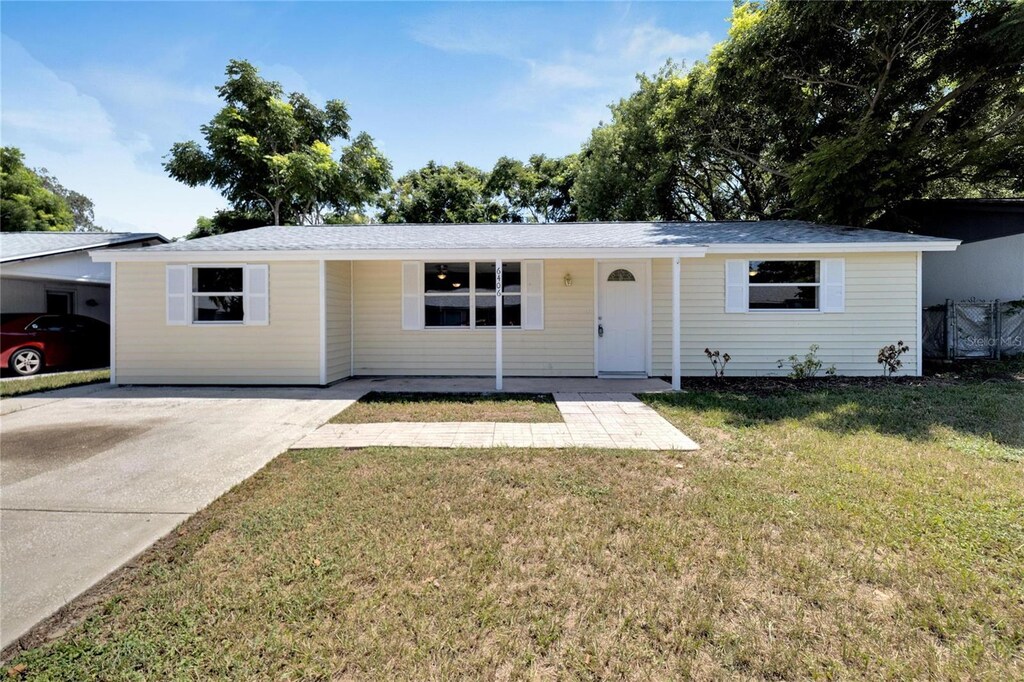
{"x": 600, "y": 330}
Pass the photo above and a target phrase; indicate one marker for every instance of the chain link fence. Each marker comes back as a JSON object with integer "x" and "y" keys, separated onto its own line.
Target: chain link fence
{"x": 961, "y": 330}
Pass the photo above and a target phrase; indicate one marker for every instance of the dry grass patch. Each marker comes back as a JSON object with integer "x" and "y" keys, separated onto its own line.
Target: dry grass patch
{"x": 377, "y": 407}
{"x": 815, "y": 537}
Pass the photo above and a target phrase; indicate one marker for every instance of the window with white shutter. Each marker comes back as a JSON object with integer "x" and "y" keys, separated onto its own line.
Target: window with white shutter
{"x": 218, "y": 294}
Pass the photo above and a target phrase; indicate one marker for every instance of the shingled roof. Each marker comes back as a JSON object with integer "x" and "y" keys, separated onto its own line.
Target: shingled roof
{"x": 16, "y": 246}
{"x": 632, "y": 236}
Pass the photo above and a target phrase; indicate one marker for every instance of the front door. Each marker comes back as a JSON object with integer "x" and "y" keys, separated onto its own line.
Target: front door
{"x": 622, "y": 318}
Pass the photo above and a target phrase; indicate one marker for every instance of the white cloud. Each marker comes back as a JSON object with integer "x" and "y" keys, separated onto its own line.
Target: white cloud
{"x": 572, "y": 88}
{"x": 70, "y": 133}
{"x": 143, "y": 90}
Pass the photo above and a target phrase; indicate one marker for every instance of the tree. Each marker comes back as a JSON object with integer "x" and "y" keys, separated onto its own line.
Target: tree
{"x": 270, "y": 155}
{"x": 225, "y": 221}
{"x": 25, "y": 203}
{"x": 442, "y": 194}
{"x": 823, "y": 111}
{"x": 81, "y": 206}
{"x": 538, "y": 191}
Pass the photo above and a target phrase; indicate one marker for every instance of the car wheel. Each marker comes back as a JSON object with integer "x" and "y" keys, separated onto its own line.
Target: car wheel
{"x": 26, "y": 362}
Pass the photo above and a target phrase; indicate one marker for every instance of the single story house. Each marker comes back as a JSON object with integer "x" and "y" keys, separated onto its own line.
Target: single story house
{"x": 51, "y": 272}
{"x": 314, "y": 305}
{"x": 988, "y": 266}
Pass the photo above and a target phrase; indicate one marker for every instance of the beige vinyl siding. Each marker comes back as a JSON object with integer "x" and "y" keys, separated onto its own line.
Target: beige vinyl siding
{"x": 881, "y": 308}
{"x": 338, "y": 294}
{"x": 286, "y": 351}
{"x": 565, "y": 347}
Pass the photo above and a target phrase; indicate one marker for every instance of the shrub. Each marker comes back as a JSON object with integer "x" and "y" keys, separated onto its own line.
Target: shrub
{"x": 806, "y": 367}
{"x": 718, "y": 361}
{"x": 889, "y": 357}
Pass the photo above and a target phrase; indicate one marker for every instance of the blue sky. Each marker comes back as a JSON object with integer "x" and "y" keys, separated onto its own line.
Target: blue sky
{"x": 98, "y": 92}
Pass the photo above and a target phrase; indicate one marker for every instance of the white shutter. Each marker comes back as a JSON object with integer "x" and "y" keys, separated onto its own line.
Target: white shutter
{"x": 737, "y": 275}
{"x": 412, "y": 295}
{"x": 833, "y": 285}
{"x": 533, "y": 294}
{"x": 257, "y": 294}
{"x": 178, "y": 294}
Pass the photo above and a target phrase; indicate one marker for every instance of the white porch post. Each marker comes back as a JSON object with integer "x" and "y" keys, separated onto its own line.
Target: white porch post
{"x": 498, "y": 369}
{"x": 676, "y": 361}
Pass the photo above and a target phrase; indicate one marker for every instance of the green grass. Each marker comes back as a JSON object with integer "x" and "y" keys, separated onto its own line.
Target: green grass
{"x": 49, "y": 382}
{"x": 845, "y": 533}
{"x": 377, "y": 407}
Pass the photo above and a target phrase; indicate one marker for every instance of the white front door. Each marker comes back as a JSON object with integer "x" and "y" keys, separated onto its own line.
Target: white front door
{"x": 622, "y": 318}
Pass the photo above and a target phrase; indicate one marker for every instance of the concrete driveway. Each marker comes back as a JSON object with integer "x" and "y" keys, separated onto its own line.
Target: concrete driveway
{"x": 91, "y": 476}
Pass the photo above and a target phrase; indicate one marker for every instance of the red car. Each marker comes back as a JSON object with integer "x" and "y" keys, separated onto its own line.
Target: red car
{"x": 31, "y": 342}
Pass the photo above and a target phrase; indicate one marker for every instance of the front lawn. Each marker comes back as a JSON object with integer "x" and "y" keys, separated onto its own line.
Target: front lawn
{"x": 836, "y": 533}
{"x": 48, "y": 382}
{"x": 381, "y": 406}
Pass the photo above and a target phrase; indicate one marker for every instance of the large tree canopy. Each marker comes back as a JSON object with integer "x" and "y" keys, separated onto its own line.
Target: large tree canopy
{"x": 270, "y": 155}
{"x": 513, "y": 192}
{"x": 823, "y": 111}
{"x": 26, "y": 205}
{"x": 441, "y": 194}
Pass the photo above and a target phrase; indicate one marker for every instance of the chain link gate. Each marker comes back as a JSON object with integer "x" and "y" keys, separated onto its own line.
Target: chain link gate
{"x": 962, "y": 330}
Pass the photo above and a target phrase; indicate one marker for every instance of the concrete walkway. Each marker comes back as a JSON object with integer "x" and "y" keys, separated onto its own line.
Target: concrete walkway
{"x": 600, "y": 420}
{"x": 90, "y": 476}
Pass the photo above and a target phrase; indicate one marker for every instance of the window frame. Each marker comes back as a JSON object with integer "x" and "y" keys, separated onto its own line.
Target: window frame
{"x": 471, "y": 293}
{"x": 192, "y": 294}
{"x": 802, "y": 311}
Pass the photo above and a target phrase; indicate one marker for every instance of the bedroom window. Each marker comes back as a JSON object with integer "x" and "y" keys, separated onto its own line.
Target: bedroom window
{"x": 783, "y": 284}
{"x": 218, "y": 294}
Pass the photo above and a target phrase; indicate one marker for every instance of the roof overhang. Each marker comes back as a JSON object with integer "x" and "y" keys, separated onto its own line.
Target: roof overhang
{"x": 396, "y": 254}
{"x": 683, "y": 251}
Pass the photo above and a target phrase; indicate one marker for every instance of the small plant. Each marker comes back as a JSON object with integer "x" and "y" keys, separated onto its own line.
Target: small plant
{"x": 718, "y": 361}
{"x": 806, "y": 367}
{"x": 889, "y": 357}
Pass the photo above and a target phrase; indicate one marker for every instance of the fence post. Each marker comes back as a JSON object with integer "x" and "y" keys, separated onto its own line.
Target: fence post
{"x": 950, "y": 341}
{"x": 997, "y": 315}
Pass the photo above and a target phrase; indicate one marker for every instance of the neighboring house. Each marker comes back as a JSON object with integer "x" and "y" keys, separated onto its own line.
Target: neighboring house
{"x": 988, "y": 266}
{"x": 312, "y": 305}
{"x": 51, "y": 272}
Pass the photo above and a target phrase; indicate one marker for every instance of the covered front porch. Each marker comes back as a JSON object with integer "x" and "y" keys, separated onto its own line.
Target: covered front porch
{"x": 516, "y": 319}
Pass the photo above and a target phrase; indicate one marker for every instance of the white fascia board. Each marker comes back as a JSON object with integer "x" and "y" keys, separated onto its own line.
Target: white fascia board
{"x": 396, "y": 254}
{"x": 852, "y": 247}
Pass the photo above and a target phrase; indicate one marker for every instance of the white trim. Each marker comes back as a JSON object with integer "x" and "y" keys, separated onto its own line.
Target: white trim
{"x": 845, "y": 247}
{"x": 436, "y": 254}
{"x": 596, "y": 322}
{"x": 499, "y": 304}
{"x": 352, "y": 318}
{"x": 113, "y": 324}
{"x": 676, "y": 322}
{"x": 920, "y": 313}
{"x": 650, "y": 318}
{"x": 323, "y": 322}
{"x": 191, "y": 293}
{"x": 424, "y": 254}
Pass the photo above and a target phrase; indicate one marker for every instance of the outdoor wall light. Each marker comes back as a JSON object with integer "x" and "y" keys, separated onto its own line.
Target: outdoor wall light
{"x": 567, "y": 280}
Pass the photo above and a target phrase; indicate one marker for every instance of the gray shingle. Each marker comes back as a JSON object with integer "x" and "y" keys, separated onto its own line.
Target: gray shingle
{"x": 610, "y": 235}
{"x": 19, "y": 245}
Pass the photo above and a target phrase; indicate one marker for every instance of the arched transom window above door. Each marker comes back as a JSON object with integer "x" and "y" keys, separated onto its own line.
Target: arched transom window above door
{"x": 621, "y": 275}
